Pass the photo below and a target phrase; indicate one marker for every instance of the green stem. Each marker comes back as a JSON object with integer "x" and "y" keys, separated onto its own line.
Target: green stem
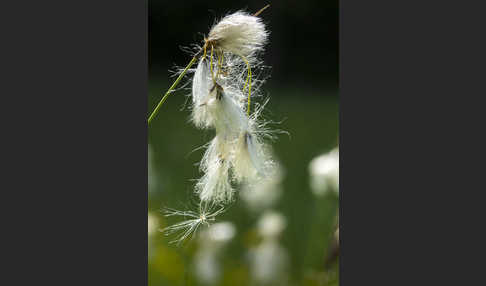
{"x": 176, "y": 82}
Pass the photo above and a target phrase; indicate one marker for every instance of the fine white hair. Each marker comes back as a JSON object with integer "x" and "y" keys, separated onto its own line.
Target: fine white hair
{"x": 192, "y": 220}
{"x": 215, "y": 186}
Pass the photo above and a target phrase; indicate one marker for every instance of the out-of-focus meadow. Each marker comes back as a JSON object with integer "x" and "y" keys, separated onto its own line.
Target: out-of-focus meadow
{"x": 312, "y": 121}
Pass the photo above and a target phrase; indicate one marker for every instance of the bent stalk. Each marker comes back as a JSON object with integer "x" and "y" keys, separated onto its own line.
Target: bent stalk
{"x": 176, "y": 82}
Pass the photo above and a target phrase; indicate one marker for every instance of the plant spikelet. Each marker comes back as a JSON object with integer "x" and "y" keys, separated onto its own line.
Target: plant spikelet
{"x": 215, "y": 184}
{"x": 239, "y": 33}
{"x": 200, "y": 94}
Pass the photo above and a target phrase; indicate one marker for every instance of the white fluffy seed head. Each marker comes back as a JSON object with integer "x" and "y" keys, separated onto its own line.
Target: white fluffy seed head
{"x": 239, "y": 33}
{"x": 249, "y": 158}
{"x": 252, "y": 159}
{"x": 200, "y": 94}
{"x": 215, "y": 183}
{"x": 216, "y": 150}
{"x": 227, "y": 116}
{"x": 215, "y": 186}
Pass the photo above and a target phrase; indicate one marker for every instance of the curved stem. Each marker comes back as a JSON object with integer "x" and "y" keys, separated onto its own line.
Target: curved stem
{"x": 261, "y": 10}
{"x": 176, "y": 82}
{"x": 211, "y": 65}
{"x": 247, "y": 81}
{"x": 220, "y": 63}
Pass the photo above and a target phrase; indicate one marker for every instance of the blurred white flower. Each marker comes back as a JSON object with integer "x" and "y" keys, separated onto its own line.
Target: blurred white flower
{"x": 153, "y": 223}
{"x": 269, "y": 260}
{"x": 218, "y": 233}
{"x": 207, "y": 264}
{"x": 152, "y": 178}
{"x": 324, "y": 172}
{"x": 207, "y": 267}
{"x": 269, "y": 263}
{"x": 265, "y": 192}
{"x": 271, "y": 224}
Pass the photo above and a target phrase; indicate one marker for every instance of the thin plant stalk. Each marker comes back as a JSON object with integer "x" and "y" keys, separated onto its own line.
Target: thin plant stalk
{"x": 176, "y": 82}
{"x": 247, "y": 82}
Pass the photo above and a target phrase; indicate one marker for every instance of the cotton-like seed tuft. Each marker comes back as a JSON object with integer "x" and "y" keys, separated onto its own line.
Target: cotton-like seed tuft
{"x": 226, "y": 115}
{"x": 249, "y": 161}
{"x": 200, "y": 94}
{"x": 252, "y": 160}
{"x": 216, "y": 150}
{"x": 215, "y": 184}
{"x": 239, "y": 33}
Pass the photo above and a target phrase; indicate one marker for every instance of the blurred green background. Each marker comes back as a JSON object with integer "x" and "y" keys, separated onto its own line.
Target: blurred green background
{"x": 303, "y": 96}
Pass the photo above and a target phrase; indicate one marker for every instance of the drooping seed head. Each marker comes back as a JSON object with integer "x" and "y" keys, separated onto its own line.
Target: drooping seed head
{"x": 239, "y": 33}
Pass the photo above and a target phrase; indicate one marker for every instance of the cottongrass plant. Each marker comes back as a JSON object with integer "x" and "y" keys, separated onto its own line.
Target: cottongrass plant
{"x": 223, "y": 84}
